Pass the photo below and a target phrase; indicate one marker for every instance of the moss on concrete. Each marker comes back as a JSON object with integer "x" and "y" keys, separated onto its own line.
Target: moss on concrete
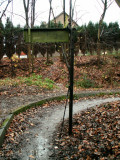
{"x": 4, "y": 127}
{"x": 2, "y": 136}
{"x": 39, "y": 103}
{"x": 7, "y": 121}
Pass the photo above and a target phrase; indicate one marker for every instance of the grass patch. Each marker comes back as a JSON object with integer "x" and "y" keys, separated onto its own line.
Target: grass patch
{"x": 85, "y": 82}
{"x": 36, "y": 80}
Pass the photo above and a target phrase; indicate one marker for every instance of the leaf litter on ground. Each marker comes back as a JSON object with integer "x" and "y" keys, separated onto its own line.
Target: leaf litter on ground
{"x": 96, "y": 135}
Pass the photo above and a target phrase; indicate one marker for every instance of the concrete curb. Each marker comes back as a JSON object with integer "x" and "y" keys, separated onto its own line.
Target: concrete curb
{"x": 4, "y": 128}
{"x": 21, "y": 109}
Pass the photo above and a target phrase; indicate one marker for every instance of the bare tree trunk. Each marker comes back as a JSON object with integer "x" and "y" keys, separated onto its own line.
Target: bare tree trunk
{"x": 26, "y": 8}
{"x": 33, "y": 13}
{"x": 33, "y": 2}
{"x": 47, "y": 58}
{"x": 106, "y": 4}
{"x": 29, "y": 57}
{"x": 12, "y": 69}
{"x": 99, "y": 31}
{"x": 32, "y": 59}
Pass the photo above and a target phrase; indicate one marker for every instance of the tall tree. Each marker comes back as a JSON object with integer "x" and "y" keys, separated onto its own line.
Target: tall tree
{"x": 9, "y": 38}
{"x": 29, "y": 5}
{"x": 33, "y": 2}
{"x": 7, "y": 2}
{"x": 26, "y": 8}
{"x": 28, "y": 25}
{"x": 91, "y": 31}
{"x": 106, "y": 4}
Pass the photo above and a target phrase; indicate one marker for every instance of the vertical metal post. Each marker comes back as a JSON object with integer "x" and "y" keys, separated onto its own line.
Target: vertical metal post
{"x": 71, "y": 72}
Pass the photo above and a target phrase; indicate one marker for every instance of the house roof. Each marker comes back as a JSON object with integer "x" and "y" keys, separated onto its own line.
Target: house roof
{"x": 65, "y": 14}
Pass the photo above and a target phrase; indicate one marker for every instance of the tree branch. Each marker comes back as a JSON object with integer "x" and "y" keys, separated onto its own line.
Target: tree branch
{"x": 5, "y": 9}
{"x": 17, "y": 14}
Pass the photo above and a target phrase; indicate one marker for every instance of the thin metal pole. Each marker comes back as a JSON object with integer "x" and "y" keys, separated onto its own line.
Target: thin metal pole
{"x": 71, "y": 72}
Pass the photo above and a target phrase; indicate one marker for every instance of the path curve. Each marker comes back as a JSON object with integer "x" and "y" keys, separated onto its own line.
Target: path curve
{"x": 14, "y": 102}
{"x": 40, "y": 136}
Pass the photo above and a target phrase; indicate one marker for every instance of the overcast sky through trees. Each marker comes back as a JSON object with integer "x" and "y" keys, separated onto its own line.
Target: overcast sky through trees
{"x": 85, "y": 11}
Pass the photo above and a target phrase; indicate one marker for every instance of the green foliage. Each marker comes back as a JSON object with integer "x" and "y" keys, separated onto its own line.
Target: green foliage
{"x": 13, "y": 35}
{"x": 9, "y": 41}
{"x": 1, "y": 40}
{"x": 1, "y": 31}
{"x": 8, "y": 30}
{"x": 37, "y": 27}
{"x": 109, "y": 37}
{"x": 85, "y": 82}
{"x": 17, "y": 34}
{"x": 37, "y": 80}
{"x": 92, "y": 31}
{"x": 60, "y": 25}
{"x": 56, "y": 25}
{"x": 43, "y": 25}
{"x": 110, "y": 31}
{"x": 34, "y": 79}
{"x": 51, "y": 25}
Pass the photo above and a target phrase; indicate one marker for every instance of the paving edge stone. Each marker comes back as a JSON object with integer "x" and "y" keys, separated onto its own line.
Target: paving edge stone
{"x": 4, "y": 128}
{"x": 6, "y": 123}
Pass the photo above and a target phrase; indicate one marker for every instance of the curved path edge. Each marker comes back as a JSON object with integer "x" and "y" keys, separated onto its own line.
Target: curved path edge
{"x": 5, "y": 125}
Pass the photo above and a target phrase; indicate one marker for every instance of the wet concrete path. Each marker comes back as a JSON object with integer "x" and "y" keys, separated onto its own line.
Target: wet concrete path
{"x": 37, "y": 144}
